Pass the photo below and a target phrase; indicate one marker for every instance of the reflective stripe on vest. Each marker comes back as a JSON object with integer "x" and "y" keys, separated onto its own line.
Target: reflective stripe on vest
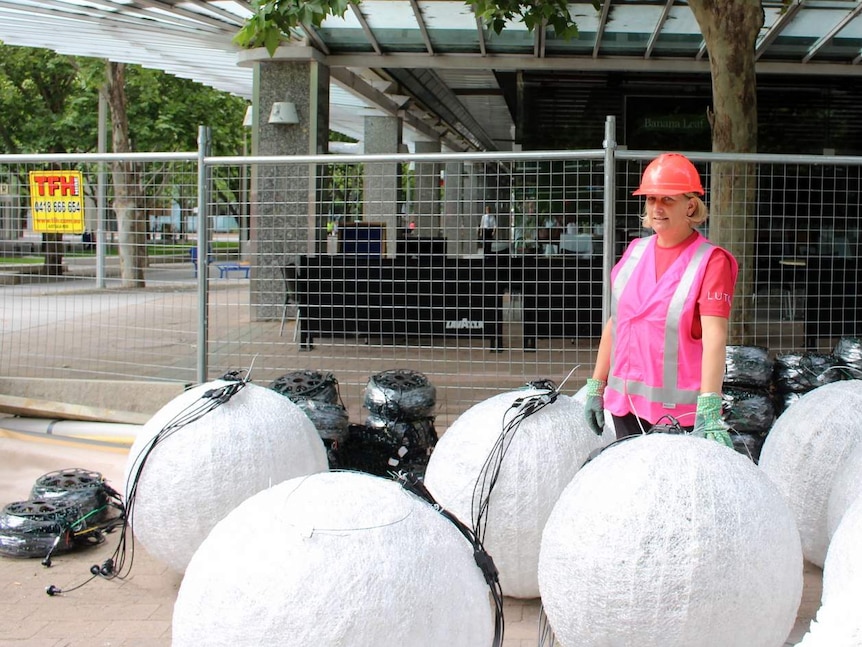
{"x": 668, "y": 394}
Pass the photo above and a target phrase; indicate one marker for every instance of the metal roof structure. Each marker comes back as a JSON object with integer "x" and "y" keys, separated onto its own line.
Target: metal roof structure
{"x": 431, "y": 61}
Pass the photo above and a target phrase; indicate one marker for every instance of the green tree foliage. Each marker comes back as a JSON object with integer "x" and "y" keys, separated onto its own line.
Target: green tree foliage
{"x": 43, "y": 103}
{"x": 273, "y": 20}
{"x": 49, "y": 104}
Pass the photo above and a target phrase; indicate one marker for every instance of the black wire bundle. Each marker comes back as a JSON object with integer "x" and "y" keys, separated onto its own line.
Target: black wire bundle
{"x": 119, "y": 564}
{"x": 546, "y": 632}
{"x": 414, "y": 485}
{"x": 488, "y": 476}
{"x": 521, "y": 409}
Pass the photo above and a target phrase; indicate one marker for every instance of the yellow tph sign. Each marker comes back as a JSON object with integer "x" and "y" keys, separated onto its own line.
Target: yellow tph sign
{"x": 57, "y": 201}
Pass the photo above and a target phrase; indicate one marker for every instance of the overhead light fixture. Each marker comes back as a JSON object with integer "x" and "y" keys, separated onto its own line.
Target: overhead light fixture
{"x": 283, "y": 112}
{"x": 248, "y": 120}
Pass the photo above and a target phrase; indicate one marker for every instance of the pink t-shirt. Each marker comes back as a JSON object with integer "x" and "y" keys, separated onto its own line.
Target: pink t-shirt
{"x": 716, "y": 291}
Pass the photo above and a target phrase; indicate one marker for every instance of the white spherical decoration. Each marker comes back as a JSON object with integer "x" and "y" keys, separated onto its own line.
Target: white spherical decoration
{"x": 846, "y": 488}
{"x": 838, "y": 623}
{"x": 805, "y": 448}
{"x": 203, "y": 470}
{"x": 842, "y": 570}
{"x": 540, "y": 460}
{"x": 337, "y": 558}
{"x": 671, "y": 541}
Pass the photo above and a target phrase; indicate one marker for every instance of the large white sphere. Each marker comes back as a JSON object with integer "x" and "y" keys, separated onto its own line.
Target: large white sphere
{"x": 805, "y": 448}
{"x": 542, "y": 456}
{"x": 842, "y": 570}
{"x": 338, "y": 558}
{"x": 671, "y": 541}
{"x": 846, "y": 488}
{"x": 838, "y": 623}
{"x": 203, "y": 470}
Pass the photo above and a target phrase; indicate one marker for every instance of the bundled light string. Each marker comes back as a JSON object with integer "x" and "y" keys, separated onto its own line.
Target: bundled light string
{"x": 413, "y": 484}
{"x": 489, "y": 474}
{"x": 119, "y": 565}
{"x": 546, "y": 636}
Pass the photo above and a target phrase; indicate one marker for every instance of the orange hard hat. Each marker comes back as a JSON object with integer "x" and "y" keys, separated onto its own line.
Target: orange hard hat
{"x": 670, "y": 174}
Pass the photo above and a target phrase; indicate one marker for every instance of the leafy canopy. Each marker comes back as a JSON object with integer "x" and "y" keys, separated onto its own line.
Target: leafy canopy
{"x": 273, "y": 20}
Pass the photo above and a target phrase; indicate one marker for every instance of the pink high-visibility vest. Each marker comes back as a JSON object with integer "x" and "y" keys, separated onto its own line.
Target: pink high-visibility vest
{"x": 655, "y": 361}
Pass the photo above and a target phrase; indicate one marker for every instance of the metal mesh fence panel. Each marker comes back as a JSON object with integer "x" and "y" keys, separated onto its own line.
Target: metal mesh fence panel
{"x": 357, "y": 265}
{"x": 108, "y": 302}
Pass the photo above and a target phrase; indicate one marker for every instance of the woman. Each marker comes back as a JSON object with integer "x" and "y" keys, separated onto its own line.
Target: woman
{"x": 662, "y": 352}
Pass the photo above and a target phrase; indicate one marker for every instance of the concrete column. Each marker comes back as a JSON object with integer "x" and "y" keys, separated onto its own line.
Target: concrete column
{"x": 456, "y": 226}
{"x": 382, "y": 181}
{"x": 284, "y": 219}
{"x": 427, "y": 197}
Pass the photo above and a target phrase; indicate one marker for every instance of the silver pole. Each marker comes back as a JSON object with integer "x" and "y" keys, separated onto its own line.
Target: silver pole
{"x": 609, "y": 145}
{"x": 204, "y": 141}
{"x": 101, "y": 192}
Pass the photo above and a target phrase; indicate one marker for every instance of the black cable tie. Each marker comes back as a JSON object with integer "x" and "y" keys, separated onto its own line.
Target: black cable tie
{"x": 486, "y": 564}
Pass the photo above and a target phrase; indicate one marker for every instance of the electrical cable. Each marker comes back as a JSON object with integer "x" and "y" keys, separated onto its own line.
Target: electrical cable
{"x": 414, "y": 485}
{"x": 120, "y": 563}
{"x": 546, "y": 632}
{"x": 520, "y": 409}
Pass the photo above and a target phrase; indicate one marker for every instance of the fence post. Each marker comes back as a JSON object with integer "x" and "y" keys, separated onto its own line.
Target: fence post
{"x": 204, "y": 145}
{"x": 101, "y": 193}
{"x": 609, "y": 242}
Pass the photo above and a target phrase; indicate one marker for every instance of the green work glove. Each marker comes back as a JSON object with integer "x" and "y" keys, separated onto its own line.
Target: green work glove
{"x": 708, "y": 422}
{"x": 594, "y": 407}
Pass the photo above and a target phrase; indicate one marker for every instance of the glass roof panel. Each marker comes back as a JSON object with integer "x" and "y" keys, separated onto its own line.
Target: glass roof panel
{"x": 812, "y": 23}
{"x": 443, "y": 14}
{"x": 628, "y": 29}
{"x": 336, "y": 23}
{"x": 585, "y": 15}
{"x": 233, "y": 7}
{"x": 351, "y": 41}
{"x": 453, "y": 41}
{"x": 388, "y": 15}
{"x": 514, "y": 39}
{"x": 451, "y": 26}
{"x": 580, "y": 46}
{"x": 681, "y": 20}
{"x": 633, "y": 19}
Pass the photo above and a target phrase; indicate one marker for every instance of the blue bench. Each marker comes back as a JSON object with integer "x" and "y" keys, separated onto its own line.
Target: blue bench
{"x": 224, "y": 269}
{"x": 193, "y": 256}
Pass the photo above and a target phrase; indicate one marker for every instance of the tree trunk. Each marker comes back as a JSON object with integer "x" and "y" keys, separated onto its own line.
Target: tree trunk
{"x": 730, "y": 29}
{"x": 131, "y": 225}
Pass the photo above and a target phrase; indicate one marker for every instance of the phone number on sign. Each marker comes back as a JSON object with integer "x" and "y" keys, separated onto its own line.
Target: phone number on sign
{"x": 57, "y": 206}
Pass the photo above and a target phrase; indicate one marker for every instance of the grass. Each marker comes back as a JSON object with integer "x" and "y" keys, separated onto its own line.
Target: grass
{"x": 220, "y": 247}
{"x": 22, "y": 260}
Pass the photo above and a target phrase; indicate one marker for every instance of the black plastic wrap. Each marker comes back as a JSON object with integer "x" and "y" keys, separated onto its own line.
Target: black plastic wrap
{"x": 800, "y": 373}
{"x": 400, "y": 394}
{"x": 748, "y": 366}
{"x": 83, "y": 488}
{"x": 748, "y": 410}
{"x": 848, "y": 350}
{"x": 384, "y": 447}
{"x": 307, "y": 385}
{"x": 748, "y": 445}
{"x": 30, "y": 528}
{"x": 330, "y": 420}
{"x": 784, "y": 400}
